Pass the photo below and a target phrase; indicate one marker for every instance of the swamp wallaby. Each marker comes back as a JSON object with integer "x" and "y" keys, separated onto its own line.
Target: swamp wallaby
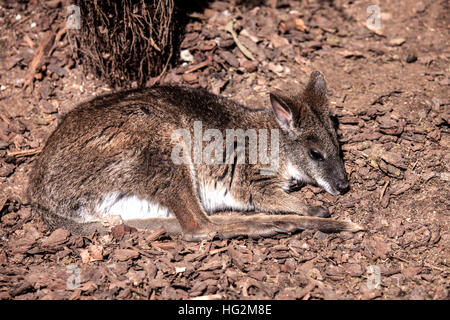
{"x": 128, "y": 154}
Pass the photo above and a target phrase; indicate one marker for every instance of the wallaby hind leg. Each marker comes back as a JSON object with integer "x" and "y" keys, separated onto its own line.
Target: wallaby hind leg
{"x": 252, "y": 226}
{"x": 264, "y": 225}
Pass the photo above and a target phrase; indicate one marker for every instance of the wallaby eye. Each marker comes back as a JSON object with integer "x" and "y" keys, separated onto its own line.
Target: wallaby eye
{"x": 315, "y": 155}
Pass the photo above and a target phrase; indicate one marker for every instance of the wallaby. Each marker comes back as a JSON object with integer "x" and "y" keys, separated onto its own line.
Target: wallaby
{"x": 113, "y": 156}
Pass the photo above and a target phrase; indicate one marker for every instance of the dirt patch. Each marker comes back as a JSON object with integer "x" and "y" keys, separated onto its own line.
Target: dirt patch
{"x": 389, "y": 89}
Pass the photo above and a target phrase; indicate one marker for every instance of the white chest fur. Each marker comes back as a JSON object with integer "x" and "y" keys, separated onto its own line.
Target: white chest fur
{"x": 218, "y": 198}
{"x": 131, "y": 207}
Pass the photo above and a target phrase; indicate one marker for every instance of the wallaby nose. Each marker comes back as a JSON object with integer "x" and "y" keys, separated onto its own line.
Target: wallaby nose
{"x": 342, "y": 186}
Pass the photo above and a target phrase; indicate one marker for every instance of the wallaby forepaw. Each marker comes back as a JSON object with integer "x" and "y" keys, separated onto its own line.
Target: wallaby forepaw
{"x": 318, "y": 211}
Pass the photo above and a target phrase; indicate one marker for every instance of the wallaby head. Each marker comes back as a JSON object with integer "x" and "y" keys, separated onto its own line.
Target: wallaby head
{"x": 309, "y": 144}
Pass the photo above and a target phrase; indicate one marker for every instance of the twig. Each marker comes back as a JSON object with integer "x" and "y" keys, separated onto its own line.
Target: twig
{"x": 164, "y": 245}
{"x": 384, "y": 189}
{"x": 295, "y": 253}
{"x": 58, "y": 37}
{"x": 435, "y": 267}
{"x": 244, "y": 50}
{"x": 156, "y": 234}
{"x": 2, "y": 203}
{"x": 24, "y": 153}
{"x": 20, "y": 21}
{"x": 142, "y": 252}
{"x": 42, "y": 51}
{"x": 198, "y": 66}
{"x": 218, "y": 250}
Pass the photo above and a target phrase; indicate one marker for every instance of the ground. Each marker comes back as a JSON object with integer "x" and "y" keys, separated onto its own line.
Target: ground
{"x": 389, "y": 88}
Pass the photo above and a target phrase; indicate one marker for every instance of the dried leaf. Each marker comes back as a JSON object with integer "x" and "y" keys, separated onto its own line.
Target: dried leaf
{"x": 125, "y": 254}
{"x": 57, "y": 238}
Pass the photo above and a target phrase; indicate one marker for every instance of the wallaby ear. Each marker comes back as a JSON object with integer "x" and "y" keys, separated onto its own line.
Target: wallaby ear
{"x": 282, "y": 112}
{"x": 334, "y": 121}
{"x": 315, "y": 92}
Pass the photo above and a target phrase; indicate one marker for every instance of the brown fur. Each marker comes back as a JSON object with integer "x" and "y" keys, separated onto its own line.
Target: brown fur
{"x": 122, "y": 143}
